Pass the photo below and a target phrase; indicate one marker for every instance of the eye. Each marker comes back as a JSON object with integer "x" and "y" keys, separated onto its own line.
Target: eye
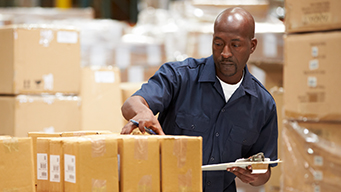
{"x": 218, "y": 43}
{"x": 235, "y": 45}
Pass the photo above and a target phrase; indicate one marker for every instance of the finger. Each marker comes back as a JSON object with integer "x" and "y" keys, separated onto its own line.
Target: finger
{"x": 128, "y": 128}
{"x": 243, "y": 174}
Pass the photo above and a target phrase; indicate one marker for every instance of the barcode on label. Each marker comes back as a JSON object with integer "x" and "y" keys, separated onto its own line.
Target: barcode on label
{"x": 55, "y": 176}
{"x": 43, "y": 165}
{"x": 70, "y": 168}
{"x": 43, "y": 174}
{"x": 71, "y": 177}
{"x": 55, "y": 168}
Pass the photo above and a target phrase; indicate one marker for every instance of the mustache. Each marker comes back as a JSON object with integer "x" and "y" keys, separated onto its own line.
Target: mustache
{"x": 226, "y": 60}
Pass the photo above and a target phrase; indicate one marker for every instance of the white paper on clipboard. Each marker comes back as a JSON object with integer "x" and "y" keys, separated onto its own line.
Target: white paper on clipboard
{"x": 224, "y": 166}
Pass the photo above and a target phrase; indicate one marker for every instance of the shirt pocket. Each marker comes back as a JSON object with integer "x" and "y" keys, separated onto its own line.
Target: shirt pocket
{"x": 243, "y": 136}
{"x": 188, "y": 122}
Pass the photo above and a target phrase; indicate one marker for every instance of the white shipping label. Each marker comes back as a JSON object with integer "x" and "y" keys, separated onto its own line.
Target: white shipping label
{"x": 318, "y": 160}
{"x": 46, "y": 36}
{"x": 312, "y": 81}
{"x": 154, "y": 55}
{"x": 104, "y": 77}
{"x": 42, "y": 170}
{"x": 48, "y": 81}
{"x": 67, "y": 37}
{"x": 70, "y": 168}
{"x": 314, "y": 51}
{"x": 313, "y": 64}
{"x": 54, "y": 168}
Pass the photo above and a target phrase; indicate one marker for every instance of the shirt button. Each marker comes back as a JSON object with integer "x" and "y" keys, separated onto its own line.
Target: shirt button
{"x": 192, "y": 126}
{"x": 208, "y": 182}
{"x": 217, "y": 134}
{"x": 212, "y": 158}
{"x": 223, "y": 110}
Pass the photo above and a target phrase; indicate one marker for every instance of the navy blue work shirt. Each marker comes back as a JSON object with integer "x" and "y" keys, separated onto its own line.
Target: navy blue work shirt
{"x": 190, "y": 101}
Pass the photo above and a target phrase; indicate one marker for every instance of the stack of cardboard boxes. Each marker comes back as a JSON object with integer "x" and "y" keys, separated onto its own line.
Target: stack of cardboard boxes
{"x": 39, "y": 79}
{"x": 311, "y": 148}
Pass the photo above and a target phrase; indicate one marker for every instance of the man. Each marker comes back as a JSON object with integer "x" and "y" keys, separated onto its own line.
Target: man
{"x": 216, "y": 98}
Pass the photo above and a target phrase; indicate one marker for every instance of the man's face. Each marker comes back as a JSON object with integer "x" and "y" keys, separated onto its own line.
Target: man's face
{"x": 231, "y": 48}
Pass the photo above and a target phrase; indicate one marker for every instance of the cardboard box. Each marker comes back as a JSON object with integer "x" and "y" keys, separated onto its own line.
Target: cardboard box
{"x": 56, "y": 183}
{"x": 311, "y": 73}
{"x": 139, "y": 163}
{"x": 101, "y": 99}
{"x": 34, "y": 136}
{"x": 181, "y": 160}
{"x": 311, "y": 156}
{"x": 84, "y": 133}
{"x": 90, "y": 164}
{"x": 312, "y": 15}
{"x": 43, "y": 159}
{"x": 16, "y": 164}
{"x": 39, "y": 59}
{"x": 47, "y": 113}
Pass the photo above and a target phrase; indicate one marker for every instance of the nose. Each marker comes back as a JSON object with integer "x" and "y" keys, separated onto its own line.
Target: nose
{"x": 226, "y": 53}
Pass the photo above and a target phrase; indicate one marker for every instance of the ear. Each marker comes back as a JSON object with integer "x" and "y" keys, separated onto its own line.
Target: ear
{"x": 253, "y": 45}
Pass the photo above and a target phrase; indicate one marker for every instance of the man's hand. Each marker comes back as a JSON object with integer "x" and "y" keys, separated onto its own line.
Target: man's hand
{"x": 253, "y": 179}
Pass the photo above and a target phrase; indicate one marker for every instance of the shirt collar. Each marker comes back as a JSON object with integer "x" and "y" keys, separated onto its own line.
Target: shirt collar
{"x": 208, "y": 74}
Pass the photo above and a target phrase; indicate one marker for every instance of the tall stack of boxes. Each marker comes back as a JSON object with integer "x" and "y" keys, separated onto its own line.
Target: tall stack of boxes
{"x": 39, "y": 79}
{"x": 311, "y": 150}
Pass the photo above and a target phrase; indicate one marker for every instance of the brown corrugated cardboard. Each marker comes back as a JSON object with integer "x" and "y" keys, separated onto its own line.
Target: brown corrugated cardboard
{"x": 139, "y": 163}
{"x": 43, "y": 154}
{"x": 101, "y": 99}
{"x": 16, "y": 164}
{"x": 181, "y": 160}
{"x": 34, "y": 136}
{"x": 311, "y": 76}
{"x": 84, "y": 132}
{"x": 312, "y": 15}
{"x": 46, "y": 113}
{"x": 39, "y": 59}
{"x": 90, "y": 164}
{"x": 311, "y": 156}
{"x": 56, "y": 169}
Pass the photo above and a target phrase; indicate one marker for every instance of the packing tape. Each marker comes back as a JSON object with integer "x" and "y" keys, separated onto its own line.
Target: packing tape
{"x": 99, "y": 185}
{"x": 180, "y": 150}
{"x": 145, "y": 184}
{"x": 11, "y": 144}
{"x": 185, "y": 181}
{"x": 141, "y": 148}
{"x": 11, "y": 190}
{"x": 98, "y": 147}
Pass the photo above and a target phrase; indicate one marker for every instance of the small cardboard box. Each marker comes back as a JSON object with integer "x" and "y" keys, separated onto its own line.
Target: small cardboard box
{"x": 16, "y": 164}
{"x": 43, "y": 154}
{"x": 311, "y": 76}
{"x": 139, "y": 163}
{"x": 101, "y": 99}
{"x": 312, "y": 15}
{"x": 34, "y": 113}
{"x": 39, "y": 59}
{"x": 90, "y": 164}
{"x": 56, "y": 165}
{"x": 181, "y": 160}
{"x": 34, "y": 136}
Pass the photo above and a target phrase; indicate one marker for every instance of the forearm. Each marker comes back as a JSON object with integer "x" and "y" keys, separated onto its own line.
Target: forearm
{"x": 134, "y": 105}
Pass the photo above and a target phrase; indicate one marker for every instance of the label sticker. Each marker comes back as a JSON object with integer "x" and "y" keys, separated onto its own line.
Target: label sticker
{"x": 42, "y": 166}
{"x": 314, "y": 51}
{"x": 313, "y": 64}
{"x": 54, "y": 168}
{"x": 312, "y": 81}
{"x": 67, "y": 37}
{"x": 153, "y": 55}
{"x": 48, "y": 81}
{"x": 104, "y": 77}
{"x": 70, "y": 168}
{"x": 318, "y": 160}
